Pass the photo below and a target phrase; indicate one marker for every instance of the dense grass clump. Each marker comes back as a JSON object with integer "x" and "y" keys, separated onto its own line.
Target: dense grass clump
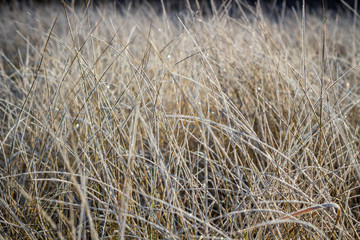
{"x": 146, "y": 124}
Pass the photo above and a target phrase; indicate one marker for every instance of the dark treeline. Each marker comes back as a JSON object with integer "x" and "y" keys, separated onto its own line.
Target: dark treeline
{"x": 174, "y": 5}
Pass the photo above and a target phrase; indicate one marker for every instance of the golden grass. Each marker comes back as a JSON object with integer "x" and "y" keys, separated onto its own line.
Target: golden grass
{"x": 127, "y": 123}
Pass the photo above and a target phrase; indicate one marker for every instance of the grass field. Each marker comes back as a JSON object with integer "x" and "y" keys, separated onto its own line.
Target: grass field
{"x": 135, "y": 123}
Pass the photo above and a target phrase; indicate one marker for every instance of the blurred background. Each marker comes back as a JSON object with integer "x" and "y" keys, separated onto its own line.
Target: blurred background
{"x": 174, "y": 5}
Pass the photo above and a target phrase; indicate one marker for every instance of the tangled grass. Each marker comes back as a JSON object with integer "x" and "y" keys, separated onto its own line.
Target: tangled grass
{"x": 130, "y": 123}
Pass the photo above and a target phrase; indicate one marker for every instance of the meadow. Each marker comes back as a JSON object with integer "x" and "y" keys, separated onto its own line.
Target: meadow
{"x": 138, "y": 122}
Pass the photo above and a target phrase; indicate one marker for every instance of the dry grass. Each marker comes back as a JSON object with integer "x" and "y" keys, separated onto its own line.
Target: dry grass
{"x": 128, "y": 123}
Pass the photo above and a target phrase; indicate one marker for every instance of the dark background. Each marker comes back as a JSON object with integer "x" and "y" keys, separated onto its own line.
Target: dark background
{"x": 334, "y": 5}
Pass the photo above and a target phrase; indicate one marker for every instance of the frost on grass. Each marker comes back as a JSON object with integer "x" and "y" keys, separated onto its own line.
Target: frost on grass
{"x": 134, "y": 123}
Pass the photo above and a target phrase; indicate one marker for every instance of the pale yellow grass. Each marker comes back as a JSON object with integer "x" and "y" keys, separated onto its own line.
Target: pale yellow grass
{"x": 137, "y": 124}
